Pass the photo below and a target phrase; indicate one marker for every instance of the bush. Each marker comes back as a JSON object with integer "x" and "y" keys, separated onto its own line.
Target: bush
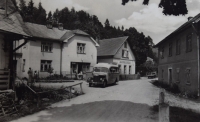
{"x": 173, "y": 88}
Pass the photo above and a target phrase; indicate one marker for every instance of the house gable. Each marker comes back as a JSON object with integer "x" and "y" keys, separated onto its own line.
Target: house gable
{"x": 123, "y": 48}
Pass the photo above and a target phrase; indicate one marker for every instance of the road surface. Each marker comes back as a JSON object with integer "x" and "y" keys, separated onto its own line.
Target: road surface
{"x": 129, "y": 101}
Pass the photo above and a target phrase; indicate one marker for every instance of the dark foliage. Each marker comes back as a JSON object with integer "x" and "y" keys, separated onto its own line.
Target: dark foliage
{"x": 170, "y": 7}
{"x": 178, "y": 114}
{"x": 182, "y": 115}
{"x": 173, "y": 88}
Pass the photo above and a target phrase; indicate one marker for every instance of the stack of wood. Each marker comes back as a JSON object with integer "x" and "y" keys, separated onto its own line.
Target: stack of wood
{"x": 7, "y": 103}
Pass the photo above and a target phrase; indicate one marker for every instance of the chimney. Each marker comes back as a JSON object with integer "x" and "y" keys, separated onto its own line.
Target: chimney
{"x": 49, "y": 24}
{"x": 60, "y": 26}
{"x": 189, "y": 18}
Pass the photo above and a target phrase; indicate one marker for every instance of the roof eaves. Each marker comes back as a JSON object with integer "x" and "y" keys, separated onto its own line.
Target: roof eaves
{"x": 96, "y": 44}
{"x": 69, "y": 38}
{"x": 34, "y": 37}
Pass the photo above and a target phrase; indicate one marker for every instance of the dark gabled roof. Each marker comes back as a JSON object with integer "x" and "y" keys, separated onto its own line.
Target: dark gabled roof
{"x": 109, "y": 47}
{"x": 13, "y": 22}
{"x": 178, "y": 30}
{"x": 41, "y": 31}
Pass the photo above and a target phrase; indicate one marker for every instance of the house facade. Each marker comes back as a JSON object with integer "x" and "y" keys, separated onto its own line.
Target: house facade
{"x": 67, "y": 52}
{"x": 179, "y": 57}
{"x": 118, "y": 51}
{"x": 79, "y": 54}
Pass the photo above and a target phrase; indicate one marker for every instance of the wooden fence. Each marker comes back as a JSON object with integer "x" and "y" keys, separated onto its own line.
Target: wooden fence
{"x": 4, "y": 79}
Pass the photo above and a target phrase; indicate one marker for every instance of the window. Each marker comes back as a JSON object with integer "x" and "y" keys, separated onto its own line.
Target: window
{"x": 189, "y": 43}
{"x": 125, "y": 53}
{"x": 125, "y": 44}
{"x": 114, "y": 69}
{"x": 162, "y": 74}
{"x": 124, "y": 69}
{"x": 80, "y": 48}
{"x": 188, "y": 75}
{"x": 170, "y": 49}
{"x": 178, "y": 72}
{"x": 23, "y": 65}
{"x": 45, "y": 65}
{"x": 46, "y": 47}
{"x": 129, "y": 69}
{"x": 178, "y": 47}
{"x": 162, "y": 53}
{"x": 100, "y": 69}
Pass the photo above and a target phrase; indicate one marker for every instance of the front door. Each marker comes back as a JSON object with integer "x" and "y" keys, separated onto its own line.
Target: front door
{"x": 170, "y": 75}
{"x": 80, "y": 67}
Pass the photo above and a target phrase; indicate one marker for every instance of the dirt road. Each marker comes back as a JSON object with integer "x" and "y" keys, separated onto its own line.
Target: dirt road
{"x": 130, "y": 101}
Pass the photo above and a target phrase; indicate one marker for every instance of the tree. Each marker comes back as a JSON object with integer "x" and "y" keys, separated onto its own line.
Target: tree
{"x": 30, "y": 8}
{"x": 41, "y": 15}
{"x": 107, "y": 23}
{"x": 49, "y": 17}
{"x": 170, "y": 7}
{"x": 23, "y": 8}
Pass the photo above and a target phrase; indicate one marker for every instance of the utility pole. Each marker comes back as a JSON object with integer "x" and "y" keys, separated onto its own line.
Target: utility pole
{"x": 6, "y": 8}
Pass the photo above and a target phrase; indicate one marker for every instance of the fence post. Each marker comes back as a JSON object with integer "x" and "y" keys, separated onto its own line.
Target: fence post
{"x": 163, "y": 108}
{"x": 81, "y": 88}
{"x": 38, "y": 100}
{"x": 70, "y": 92}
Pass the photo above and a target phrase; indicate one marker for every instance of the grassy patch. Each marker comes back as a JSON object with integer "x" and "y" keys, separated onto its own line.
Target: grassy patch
{"x": 178, "y": 114}
{"x": 182, "y": 115}
{"x": 173, "y": 88}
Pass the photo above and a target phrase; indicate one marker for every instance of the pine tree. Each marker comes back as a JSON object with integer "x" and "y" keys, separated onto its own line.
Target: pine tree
{"x": 49, "y": 17}
{"x": 122, "y": 28}
{"x": 107, "y": 23}
{"x": 41, "y": 18}
{"x": 30, "y": 8}
{"x": 23, "y": 8}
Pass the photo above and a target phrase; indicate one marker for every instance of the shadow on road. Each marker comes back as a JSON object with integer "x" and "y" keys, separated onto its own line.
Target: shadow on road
{"x": 103, "y": 111}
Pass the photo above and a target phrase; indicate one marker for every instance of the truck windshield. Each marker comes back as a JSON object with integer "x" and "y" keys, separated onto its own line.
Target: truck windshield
{"x": 100, "y": 69}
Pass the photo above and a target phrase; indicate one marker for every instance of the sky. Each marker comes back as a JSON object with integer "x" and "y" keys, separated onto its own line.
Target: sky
{"x": 147, "y": 19}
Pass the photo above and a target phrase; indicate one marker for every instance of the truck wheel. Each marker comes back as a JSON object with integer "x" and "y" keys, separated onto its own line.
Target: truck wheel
{"x": 90, "y": 84}
{"x": 104, "y": 84}
{"x": 116, "y": 82}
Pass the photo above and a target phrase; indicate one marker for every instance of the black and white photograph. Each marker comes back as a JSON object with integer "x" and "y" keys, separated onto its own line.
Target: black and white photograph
{"x": 99, "y": 60}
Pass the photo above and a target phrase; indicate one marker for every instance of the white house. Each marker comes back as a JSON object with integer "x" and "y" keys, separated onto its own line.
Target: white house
{"x": 117, "y": 50}
{"x": 65, "y": 51}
